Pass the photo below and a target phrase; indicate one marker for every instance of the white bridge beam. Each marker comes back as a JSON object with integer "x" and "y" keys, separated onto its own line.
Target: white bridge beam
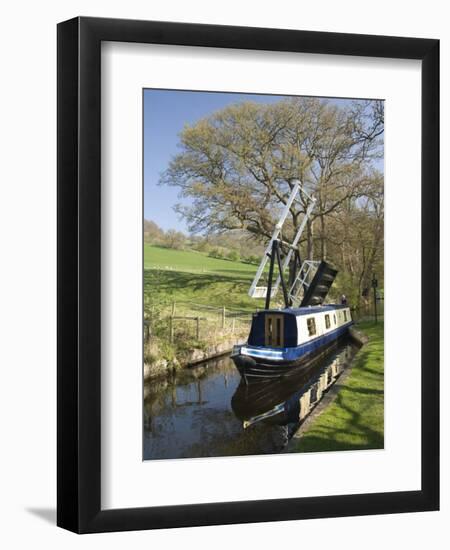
{"x": 261, "y": 291}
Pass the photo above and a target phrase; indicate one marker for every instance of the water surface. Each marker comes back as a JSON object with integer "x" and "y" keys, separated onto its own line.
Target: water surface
{"x": 209, "y": 411}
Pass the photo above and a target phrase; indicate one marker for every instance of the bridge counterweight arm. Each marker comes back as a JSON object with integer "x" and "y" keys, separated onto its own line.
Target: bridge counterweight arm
{"x": 263, "y": 291}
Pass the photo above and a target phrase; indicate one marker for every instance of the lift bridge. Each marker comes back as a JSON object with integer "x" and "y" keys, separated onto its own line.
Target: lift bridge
{"x": 304, "y": 283}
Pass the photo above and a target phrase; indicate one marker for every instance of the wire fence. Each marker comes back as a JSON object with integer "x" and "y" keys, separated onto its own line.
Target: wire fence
{"x": 183, "y": 320}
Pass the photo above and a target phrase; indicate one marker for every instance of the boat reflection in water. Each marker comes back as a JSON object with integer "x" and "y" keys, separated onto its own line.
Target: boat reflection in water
{"x": 289, "y": 400}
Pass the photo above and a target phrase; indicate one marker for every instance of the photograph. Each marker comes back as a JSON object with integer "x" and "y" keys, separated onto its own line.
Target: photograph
{"x": 263, "y": 274}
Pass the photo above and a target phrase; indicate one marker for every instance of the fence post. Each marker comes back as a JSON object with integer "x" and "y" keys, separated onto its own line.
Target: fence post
{"x": 223, "y": 317}
{"x": 173, "y": 308}
{"x": 146, "y": 331}
{"x": 198, "y": 327}
{"x": 171, "y": 329}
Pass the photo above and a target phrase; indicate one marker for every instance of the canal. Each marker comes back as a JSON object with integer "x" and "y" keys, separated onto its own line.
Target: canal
{"x": 208, "y": 411}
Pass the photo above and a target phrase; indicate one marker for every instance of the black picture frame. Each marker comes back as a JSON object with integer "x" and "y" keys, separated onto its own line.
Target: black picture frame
{"x": 79, "y": 281}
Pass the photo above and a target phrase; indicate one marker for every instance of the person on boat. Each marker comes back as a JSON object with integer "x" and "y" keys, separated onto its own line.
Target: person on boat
{"x": 344, "y": 300}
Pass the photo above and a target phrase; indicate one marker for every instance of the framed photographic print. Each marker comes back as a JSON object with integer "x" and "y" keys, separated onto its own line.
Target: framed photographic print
{"x": 248, "y": 291}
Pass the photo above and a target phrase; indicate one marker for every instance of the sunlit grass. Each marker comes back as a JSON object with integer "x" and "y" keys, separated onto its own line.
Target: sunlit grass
{"x": 158, "y": 257}
{"x": 187, "y": 275}
{"x": 355, "y": 420}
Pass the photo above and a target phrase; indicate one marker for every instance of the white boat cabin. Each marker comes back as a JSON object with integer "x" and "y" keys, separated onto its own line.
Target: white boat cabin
{"x": 292, "y": 327}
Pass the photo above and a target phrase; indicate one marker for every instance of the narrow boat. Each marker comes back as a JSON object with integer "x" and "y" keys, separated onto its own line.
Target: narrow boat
{"x": 284, "y": 340}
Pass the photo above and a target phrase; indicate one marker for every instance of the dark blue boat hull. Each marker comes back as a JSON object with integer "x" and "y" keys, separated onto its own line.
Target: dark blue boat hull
{"x": 254, "y": 368}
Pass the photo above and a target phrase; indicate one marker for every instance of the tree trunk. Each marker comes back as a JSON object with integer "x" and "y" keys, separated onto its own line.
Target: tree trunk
{"x": 373, "y": 256}
{"x": 309, "y": 240}
{"x": 323, "y": 244}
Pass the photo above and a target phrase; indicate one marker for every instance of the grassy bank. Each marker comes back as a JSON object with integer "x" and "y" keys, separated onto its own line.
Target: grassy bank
{"x": 355, "y": 420}
{"x": 187, "y": 275}
{"x": 182, "y": 284}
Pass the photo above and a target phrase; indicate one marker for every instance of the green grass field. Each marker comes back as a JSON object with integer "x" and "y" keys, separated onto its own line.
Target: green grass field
{"x": 158, "y": 257}
{"x": 355, "y": 420}
{"x": 187, "y": 275}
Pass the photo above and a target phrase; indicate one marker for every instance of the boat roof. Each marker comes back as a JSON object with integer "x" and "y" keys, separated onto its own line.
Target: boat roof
{"x": 308, "y": 310}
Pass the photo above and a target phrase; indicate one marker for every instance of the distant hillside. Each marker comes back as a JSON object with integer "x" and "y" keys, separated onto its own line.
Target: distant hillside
{"x": 232, "y": 245}
{"x": 161, "y": 258}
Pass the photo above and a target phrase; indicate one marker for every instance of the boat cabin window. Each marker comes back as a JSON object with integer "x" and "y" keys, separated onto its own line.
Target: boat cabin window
{"x": 327, "y": 321}
{"x": 274, "y": 331}
{"x": 334, "y": 315}
{"x": 311, "y": 324}
{"x": 345, "y": 315}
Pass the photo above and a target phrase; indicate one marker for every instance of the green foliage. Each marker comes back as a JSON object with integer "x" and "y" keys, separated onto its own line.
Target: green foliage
{"x": 150, "y": 356}
{"x": 153, "y": 233}
{"x": 233, "y": 255}
{"x": 216, "y": 253}
{"x": 202, "y": 245}
{"x": 174, "y": 239}
{"x": 252, "y": 259}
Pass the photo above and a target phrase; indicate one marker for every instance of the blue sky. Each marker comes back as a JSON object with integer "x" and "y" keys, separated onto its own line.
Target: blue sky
{"x": 165, "y": 114}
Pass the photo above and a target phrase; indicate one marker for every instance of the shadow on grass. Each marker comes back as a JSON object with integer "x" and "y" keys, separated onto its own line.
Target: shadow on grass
{"x": 355, "y": 434}
{"x": 197, "y": 280}
{"x": 208, "y": 288}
